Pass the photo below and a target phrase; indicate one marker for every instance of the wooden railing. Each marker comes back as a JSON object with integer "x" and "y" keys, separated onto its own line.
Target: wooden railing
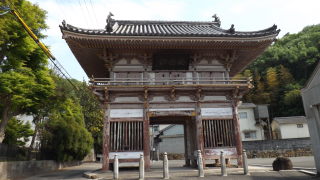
{"x": 168, "y": 81}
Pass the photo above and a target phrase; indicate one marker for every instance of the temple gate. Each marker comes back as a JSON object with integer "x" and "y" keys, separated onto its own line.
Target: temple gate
{"x": 173, "y": 72}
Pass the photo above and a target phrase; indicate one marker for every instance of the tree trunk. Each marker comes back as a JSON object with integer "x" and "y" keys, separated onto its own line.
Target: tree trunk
{"x": 34, "y": 136}
{"x": 6, "y": 115}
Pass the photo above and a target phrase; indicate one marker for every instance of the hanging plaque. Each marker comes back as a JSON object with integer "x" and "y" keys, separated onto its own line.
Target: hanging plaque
{"x": 170, "y": 62}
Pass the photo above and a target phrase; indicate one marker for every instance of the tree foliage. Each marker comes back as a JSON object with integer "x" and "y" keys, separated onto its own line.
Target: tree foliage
{"x": 17, "y": 133}
{"x": 283, "y": 69}
{"x": 64, "y": 136}
{"x": 24, "y": 80}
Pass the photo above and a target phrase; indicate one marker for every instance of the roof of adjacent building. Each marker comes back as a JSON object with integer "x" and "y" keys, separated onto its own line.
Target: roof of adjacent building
{"x": 290, "y": 120}
{"x": 169, "y": 28}
{"x": 173, "y": 129}
{"x": 247, "y": 105}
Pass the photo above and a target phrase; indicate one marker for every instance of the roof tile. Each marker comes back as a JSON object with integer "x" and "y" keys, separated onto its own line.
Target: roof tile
{"x": 290, "y": 120}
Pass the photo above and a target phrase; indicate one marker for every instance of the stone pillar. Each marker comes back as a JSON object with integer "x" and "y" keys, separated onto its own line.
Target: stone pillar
{"x": 146, "y": 136}
{"x": 237, "y": 133}
{"x": 200, "y": 145}
{"x": 106, "y": 133}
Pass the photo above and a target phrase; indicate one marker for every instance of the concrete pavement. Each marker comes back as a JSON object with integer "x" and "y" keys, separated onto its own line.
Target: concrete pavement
{"x": 177, "y": 171}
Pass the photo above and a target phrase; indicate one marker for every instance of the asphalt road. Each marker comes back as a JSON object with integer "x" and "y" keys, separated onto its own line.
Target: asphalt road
{"x": 76, "y": 172}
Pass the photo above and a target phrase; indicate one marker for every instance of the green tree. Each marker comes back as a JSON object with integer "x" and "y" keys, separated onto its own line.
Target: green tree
{"x": 17, "y": 133}
{"x": 64, "y": 136}
{"x": 284, "y": 68}
{"x": 24, "y": 80}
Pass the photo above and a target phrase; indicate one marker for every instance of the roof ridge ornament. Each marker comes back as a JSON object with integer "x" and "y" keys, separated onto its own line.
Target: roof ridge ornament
{"x": 216, "y": 19}
{"x": 232, "y": 29}
{"x": 109, "y": 19}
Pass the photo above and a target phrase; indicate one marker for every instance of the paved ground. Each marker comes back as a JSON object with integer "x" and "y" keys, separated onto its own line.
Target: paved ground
{"x": 176, "y": 171}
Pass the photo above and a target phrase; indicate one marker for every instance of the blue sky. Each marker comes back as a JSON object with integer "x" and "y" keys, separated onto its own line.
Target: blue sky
{"x": 246, "y": 15}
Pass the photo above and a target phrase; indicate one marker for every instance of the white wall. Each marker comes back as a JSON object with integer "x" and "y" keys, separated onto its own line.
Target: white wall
{"x": 249, "y": 124}
{"x": 275, "y": 129}
{"x": 292, "y": 131}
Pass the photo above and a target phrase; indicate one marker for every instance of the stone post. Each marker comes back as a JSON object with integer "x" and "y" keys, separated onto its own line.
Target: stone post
{"x": 116, "y": 167}
{"x": 200, "y": 164}
{"x": 245, "y": 163}
{"x": 223, "y": 165}
{"x": 141, "y": 167}
{"x": 165, "y": 166}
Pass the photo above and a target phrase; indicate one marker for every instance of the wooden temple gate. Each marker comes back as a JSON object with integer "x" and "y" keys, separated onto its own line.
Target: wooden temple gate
{"x": 173, "y": 72}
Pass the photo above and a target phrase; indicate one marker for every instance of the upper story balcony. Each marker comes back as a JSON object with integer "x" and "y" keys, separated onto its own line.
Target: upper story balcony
{"x": 183, "y": 81}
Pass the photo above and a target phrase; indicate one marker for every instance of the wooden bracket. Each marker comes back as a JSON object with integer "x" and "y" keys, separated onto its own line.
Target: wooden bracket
{"x": 106, "y": 94}
{"x": 235, "y": 92}
{"x": 172, "y": 94}
{"x": 198, "y": 93}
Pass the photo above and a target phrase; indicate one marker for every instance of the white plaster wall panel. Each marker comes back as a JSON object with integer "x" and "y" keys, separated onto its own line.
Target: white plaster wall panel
{"x": 122, "y": 61}
{"x": 158, "y": 98}
{"x": 216, "y": 111}
{"x": 189, "y": 77}
{"x": 134, "y": 61}
{"x": 126, "y": 155}
{"x": 118, "y": 113}
{"x": 215, "y": 62}
{"x": 135, "y": 67}
{"x": 126, "y": 99}
{"x": 174, "y": 109}
{"x": 209, "y": 66}
{"x": 208, "y": 98}
{"x": 184, "y": 98}
{"x": 249, "y": 124}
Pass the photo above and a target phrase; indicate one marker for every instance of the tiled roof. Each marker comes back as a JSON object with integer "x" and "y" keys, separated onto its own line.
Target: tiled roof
{"x": 290, "y": 120}
{"x": 247, "y": 105}
{"x": 168, "y": 28}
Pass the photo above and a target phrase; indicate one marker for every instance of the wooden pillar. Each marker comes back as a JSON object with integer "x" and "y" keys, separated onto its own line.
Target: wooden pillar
{"x": 200, "y": 144}
{"x": 192, "y": 138}
{"x": 186, "y": 148}
{"x": 106, "y": 133}
{"x": 146, "y": 136}
{"x": 237, "y": 132}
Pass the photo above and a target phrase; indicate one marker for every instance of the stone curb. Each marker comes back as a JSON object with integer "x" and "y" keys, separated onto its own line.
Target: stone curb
{"x": 308, "y": 172}
{"x": 90, "y": 175}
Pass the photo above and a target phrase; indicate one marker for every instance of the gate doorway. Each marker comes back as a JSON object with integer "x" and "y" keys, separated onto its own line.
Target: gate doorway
{"x": 174, "y": 137}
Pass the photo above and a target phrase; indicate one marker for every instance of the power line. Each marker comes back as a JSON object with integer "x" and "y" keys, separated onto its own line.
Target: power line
{"x": 94, "y": 15}
{"x": 83, "y": 14}
{"x": 88, "y": 13}
{"x": 71, "y": 6}
{"x": 62, "y": 11}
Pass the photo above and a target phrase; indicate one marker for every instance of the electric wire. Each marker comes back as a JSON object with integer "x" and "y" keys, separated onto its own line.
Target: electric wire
{"x": 89, "y": 13}
{"x": 94, "y": 15}
{"x": 62, "y": 11}
{"x": 83, "y": 14}
{"x": 72, "y": 7}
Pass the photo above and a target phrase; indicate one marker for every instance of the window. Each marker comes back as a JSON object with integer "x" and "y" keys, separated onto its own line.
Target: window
{"x": 299, "y": 125}
{"x": 251, "y": 135}
{"x": 243, "y": 115}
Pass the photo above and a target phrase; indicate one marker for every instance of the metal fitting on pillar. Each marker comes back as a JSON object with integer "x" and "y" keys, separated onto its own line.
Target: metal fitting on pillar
{"x": 116, "y": 167}
{"x": 223, "y": 165}
{"x": 165, "y": 166}
{"x": 200, "y": 164}
{"x": 245, "y": 163}
{"x": 141, "y": 167}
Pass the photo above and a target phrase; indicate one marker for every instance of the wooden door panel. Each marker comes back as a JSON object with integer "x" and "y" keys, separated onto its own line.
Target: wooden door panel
{"x": 137, "y": 77}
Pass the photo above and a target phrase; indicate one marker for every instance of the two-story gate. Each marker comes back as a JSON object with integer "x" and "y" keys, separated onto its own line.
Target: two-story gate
{"x": 182, "y": 72}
